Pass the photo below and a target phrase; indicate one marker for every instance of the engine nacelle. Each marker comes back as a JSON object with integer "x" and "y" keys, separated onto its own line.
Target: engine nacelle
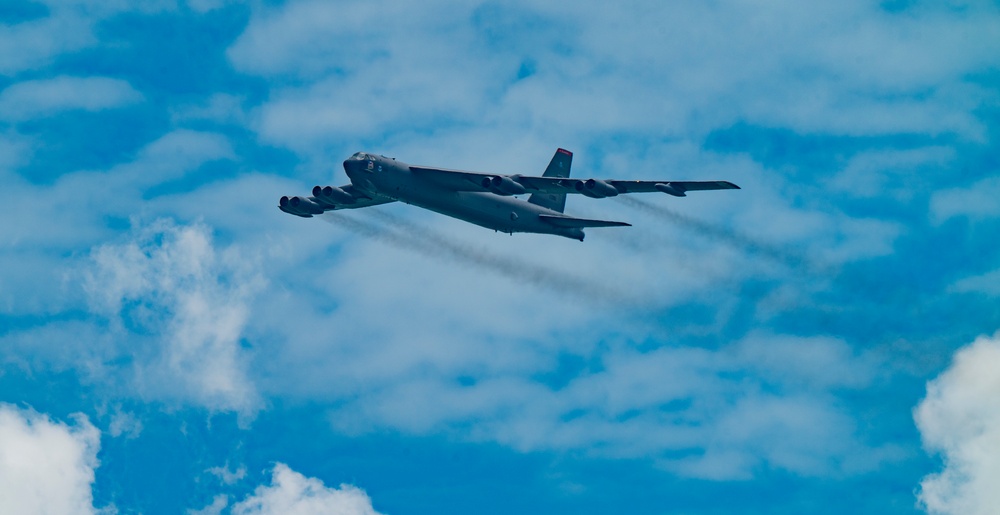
{"x": 596, "y": 188}
{"x": 304, "y": 205}
{"x": 332, "y": 196}
{"x": 502, "y": 185}
{"x": 285, "y": 204}
{"x": 670, "y": 189}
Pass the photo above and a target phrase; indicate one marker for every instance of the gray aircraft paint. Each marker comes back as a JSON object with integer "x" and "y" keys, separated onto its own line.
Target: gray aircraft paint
{"x": 483, "y": 199}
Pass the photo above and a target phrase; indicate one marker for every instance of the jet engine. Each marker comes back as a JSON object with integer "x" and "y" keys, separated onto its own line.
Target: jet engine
{"x": 300, "y": 205}
{"x": 596, "y": 188}
{"x": 284, "y": 204}
{"x": 502, "y": 185}
{"x": 332, "y": 196}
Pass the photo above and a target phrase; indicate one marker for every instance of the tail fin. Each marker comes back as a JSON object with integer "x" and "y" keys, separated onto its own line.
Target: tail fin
{"x": 558, "y": 167}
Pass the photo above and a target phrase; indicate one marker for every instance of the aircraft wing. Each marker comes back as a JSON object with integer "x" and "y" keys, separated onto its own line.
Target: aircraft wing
{"x": 611, "y": 187}
{"x": 459, "y": 180}
{"x": 672, "y": 187}
{"x": 329, "y": 198}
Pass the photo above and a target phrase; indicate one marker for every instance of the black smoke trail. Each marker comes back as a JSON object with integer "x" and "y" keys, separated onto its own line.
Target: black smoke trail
{"x": 725, "y": 235}
{"x": 404, "y": 234}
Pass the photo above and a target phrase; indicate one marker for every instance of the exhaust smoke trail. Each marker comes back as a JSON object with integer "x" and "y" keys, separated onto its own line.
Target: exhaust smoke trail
{"x": 725, "y": 235}
{"x": 409, "y": 236}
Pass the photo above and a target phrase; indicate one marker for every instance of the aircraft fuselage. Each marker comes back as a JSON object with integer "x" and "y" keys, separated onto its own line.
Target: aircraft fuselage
{"x": 377, "y": 175}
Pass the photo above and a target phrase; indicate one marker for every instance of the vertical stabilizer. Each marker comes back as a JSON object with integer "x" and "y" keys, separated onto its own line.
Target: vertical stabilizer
{"x": 558, "y": 167}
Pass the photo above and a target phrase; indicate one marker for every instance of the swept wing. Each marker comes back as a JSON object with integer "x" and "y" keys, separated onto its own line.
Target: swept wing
{"x": 460, "y": 180}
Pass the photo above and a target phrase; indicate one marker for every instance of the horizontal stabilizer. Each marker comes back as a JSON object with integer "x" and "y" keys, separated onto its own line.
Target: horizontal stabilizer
{"x": 570, "y": 222}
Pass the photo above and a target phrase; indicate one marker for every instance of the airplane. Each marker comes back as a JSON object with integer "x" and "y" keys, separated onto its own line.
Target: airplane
{"x": 485, "y": 199}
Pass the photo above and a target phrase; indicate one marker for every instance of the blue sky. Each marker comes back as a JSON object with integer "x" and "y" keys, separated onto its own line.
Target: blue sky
{"x": 822, "y": 340}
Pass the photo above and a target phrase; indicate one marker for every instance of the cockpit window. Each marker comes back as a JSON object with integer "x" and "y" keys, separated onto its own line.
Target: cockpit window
{"x": 360, "y": 156}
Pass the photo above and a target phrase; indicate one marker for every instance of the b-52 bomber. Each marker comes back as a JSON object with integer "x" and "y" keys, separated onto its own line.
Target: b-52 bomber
{"x": 484, "y": 199}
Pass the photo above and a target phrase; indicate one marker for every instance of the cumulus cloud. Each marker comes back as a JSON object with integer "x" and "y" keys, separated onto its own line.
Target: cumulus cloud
{"x": 35, "y": 98}
{"x": 960, "y": 419}
{"x": 291, "y": 492}
{"x": 46, "y": 466}
{"x": 172, "y": 286}
{"x": 34, "y": 277}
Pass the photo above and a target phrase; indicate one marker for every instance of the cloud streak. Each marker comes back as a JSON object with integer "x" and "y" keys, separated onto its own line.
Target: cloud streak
{"x": 35, "y": 98}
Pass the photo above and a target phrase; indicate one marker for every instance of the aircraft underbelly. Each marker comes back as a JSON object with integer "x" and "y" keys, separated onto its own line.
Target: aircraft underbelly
{"x": 505, "y": 214}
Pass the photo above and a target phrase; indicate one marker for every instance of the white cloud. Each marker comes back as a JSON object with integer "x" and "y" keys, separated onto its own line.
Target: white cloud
{"x": 960, "y": 419}
{"x": 731, "y": 411}
{"x": 172, "y": 155}
{"x": 899, "y": 173}
{"x": 36, "y": 98}
{"x": 124, "y": 423}
{"x": 814, "y": 363}
{"x": 15, "y": 150}
{"x": 46, "y": 466}
{"x": 219, "y": 503}
{"x": 294, "y": 494}
{"x": 227, "y": 476}
{"x": 601, "y": 69}
{"x": 192, "y": 300}
{"x": 34, "y": 43}
{"x": 68, "y": 27}
{"x": 975, "y": 202}
{"x": 219, "y": 108}
{"x": 988, "y": 283}
{"x": 203, "y": 6}
{"x": 87, "y": 199}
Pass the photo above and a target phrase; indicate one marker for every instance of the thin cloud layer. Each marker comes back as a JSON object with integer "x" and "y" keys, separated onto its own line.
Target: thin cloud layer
{"x": 64, "y": 27}
{"x": 960, "y": 420}
{"x": 690, "y": 79}
{"x": 976, "y": 202}
{"x": 37, "y": 98}
{"x": 763, "y": 402}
